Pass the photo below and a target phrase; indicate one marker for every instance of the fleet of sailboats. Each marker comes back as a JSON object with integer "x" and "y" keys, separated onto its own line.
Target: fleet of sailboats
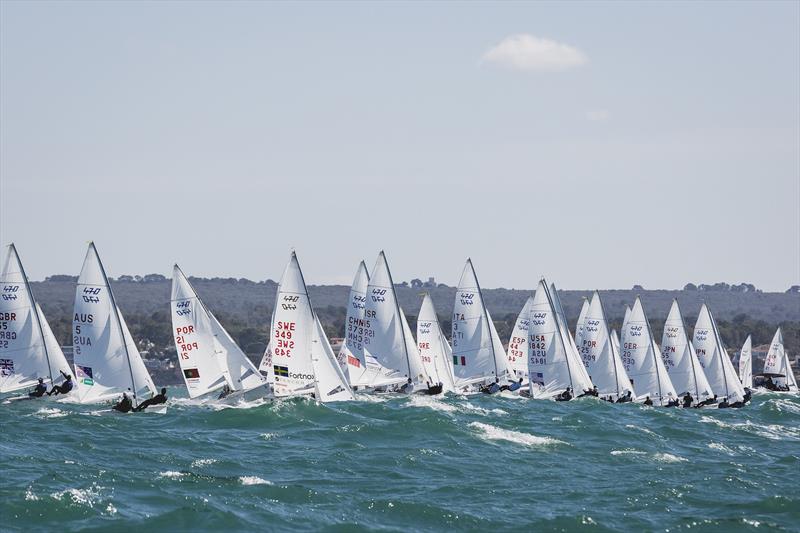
{"x": 379, "y": 352}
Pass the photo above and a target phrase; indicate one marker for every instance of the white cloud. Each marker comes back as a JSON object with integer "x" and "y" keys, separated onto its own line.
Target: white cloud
{"x": 598, "y": 114}
{"x": 527, "y": 52}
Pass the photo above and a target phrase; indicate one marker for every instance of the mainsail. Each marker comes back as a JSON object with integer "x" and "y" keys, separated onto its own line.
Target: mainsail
{"x": 208, "y": 356}
{"x": 579, "y": 325}
{"x": 642, "y": 359}
{"x": 434, "y": 350}
{"x": 680, "y": 358}
{"x": 478, "y": 353}
{"x": 598, "y": 352}
{"x": 517, "y": 352}
{"x": 777, "y": 363}
{"x": 302, "y": 359}
{"x": 553, "y": 361}
{"x": 746, "y": 363}
{"x": 389, "y": 338}
{"x": 714, "y": 359}
{"x": 28, "y": 349}
{"x": 107, "y": 361}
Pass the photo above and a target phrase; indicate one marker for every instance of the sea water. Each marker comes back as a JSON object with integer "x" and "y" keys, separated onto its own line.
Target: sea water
{"x": 487, "y": 463}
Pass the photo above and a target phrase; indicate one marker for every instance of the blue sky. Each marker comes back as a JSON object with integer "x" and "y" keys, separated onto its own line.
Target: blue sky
{"x": 600, "y": 144}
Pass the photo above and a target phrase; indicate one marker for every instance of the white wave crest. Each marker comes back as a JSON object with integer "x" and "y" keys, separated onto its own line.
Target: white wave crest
{"x": 198, "y": 463}
{"x": 50, "y": 412}
{"x": 668, "y": 458}
{"x": 628, "y": 451}
{"x": 721, "y": 448}
{"x": 490, "y": 432}
{"x": 171, "y": 474}
{"x": 87, "y": 497}
{"x": 253, "y": 480}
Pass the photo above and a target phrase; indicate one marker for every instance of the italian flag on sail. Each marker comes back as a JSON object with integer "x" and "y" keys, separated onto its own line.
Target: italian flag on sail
{"x": 462, "y": 359}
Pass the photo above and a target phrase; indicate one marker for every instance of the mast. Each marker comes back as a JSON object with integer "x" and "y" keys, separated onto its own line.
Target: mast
{"x": 399, "y": 314}
{"x": 35, "y": 309}
{"x": 119, "y": 322}
{"x": 560, "y": 334}
{"x": 485, "y": 317}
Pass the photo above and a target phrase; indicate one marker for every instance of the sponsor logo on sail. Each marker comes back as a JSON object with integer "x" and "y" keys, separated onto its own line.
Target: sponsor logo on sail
{"x": 6, "y": 367}
{"x": 84, "y": 374}
{"x": 191, "y": 373}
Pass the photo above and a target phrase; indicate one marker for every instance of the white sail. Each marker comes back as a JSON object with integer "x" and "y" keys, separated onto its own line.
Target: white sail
{"x": 746, "y": 363}
{"x": 28, "y": 349}
{"x": 291, "y": 334}
{"x": 478, "y": 352}
{"x": 626, "y": 317}
{"x": 331, "y": 383}
{"x": 615, "y": 340}
{"x": 208, "y": 356}
{"x": 599, "y": 354}
{"x": 680, "y": 358}
{"x": 642, "y": 360}
{"x": 553, "y": 362}
{"x": 388, "y": 338}
{"x": 107, "y": 361}
{"x": 777, "y": 363}
{"x": 434, "y": 350}
{"x": 562, "y": 320}
{"x": 714, "y": 359}
{"x": 579, "y": 324}
{"x": 517, "y": 352}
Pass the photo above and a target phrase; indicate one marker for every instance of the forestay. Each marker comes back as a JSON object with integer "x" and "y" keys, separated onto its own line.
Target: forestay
{"x": 777, "y": 363}
{"x": 517, "y": 352}
{"x": 478, "y": 352}
{"x": 642, "y": 360}
{"x": 434, "y": 349}
{"x": 714, "y": 359}
{"x": 208, "y": 356}
{"x": 107, "y": 361}
{"x": 746, "y": 363}
{"x": 388, "y": 337}
{"x": 599, "y": 354}
{"x": 680, "y": 358}
{"x": 28, "y": 349}
{"x": 553, "y": 361}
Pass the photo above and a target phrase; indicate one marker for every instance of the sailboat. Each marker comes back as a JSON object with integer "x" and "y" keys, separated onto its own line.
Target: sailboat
{"x": 28, "y": 348}
{"x": 599, "y": 354}
{"x": 517, "y": 352}
{"x": 434, "y": 350}
{"x": 209, "y": 358}
{"x": 615, "y": 340}
{"x": 478, "y": 353}
{"x": 680, "y": 358}
{"x": 553, "y": 361}
{"x": 714, "y": 359}
{"x": 388, "y": 336}
{"x": 642, "y": 359}
{"x": 107, "y": 361}
{"x": 746, "y": 363}
{"x": 303, "y": 361}
{"x": 778, "y": 366}
{"x": 626, "y": 317}
{"x": 362, "y": 370}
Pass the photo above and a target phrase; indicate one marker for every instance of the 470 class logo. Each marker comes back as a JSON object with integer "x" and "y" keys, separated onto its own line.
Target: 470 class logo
{"x": 90, "y": 294}
{"x": 182, "y": 308}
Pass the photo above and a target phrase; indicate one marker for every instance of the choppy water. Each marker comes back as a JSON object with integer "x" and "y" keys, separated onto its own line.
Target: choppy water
{"x": 487, "y": 463}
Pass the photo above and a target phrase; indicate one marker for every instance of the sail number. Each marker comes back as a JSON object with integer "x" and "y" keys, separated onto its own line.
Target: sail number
{"x": 284, "y": 344}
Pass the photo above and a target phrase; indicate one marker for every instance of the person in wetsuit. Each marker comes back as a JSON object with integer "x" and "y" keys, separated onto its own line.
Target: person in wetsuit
{"x": 125, "y": 405}
{"x": 748, "y": 394}
{"x": 565, "y": 396}
{"x": 39, "y": 391}
{"x": 674, "y": 403}
{"x": 155, "y": 400}
{"x": 64, "y": 388}
{"x": 648, "y": 401}
{"x": 226, "y": 391}
{"x": 626, "y": 398}
{"x": 710, "y": 401}
{"x": 408, "y": 387}
{"x": 434, "y": 389}
{"x": 515, "y": 385}
{"x": 491, "y": 389}
{"x": 687, "y": 400}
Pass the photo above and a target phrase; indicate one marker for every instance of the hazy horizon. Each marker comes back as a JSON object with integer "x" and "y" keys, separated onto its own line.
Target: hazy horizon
{"x": 603, "y": 145}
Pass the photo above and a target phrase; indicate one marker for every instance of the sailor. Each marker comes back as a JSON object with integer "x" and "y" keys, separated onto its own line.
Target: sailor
{"x": 155, "y": 400}
{"x": 724, "y": 403}
{"x": 565, "y": 396}
{"x": 491, "y": 389}
{"x": 516, "y": 385}
{"x": 674, "y": 403}
{"x": 708, "y": 401}
{"x": 748, "y": 394}
{"x": 408, "y": 387}
{"x": 769, "y": 384}
{"x": 737, "y": 405}
{"x": 687, "y": 400}
{"x": 226, "y": 391}
{"x": 64, "y": 388}
{"x": 648, "y": 401}
{"x": 39, "y": 391}
{"x": 626, "y": 398}
{"x": 125, "y": 405}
